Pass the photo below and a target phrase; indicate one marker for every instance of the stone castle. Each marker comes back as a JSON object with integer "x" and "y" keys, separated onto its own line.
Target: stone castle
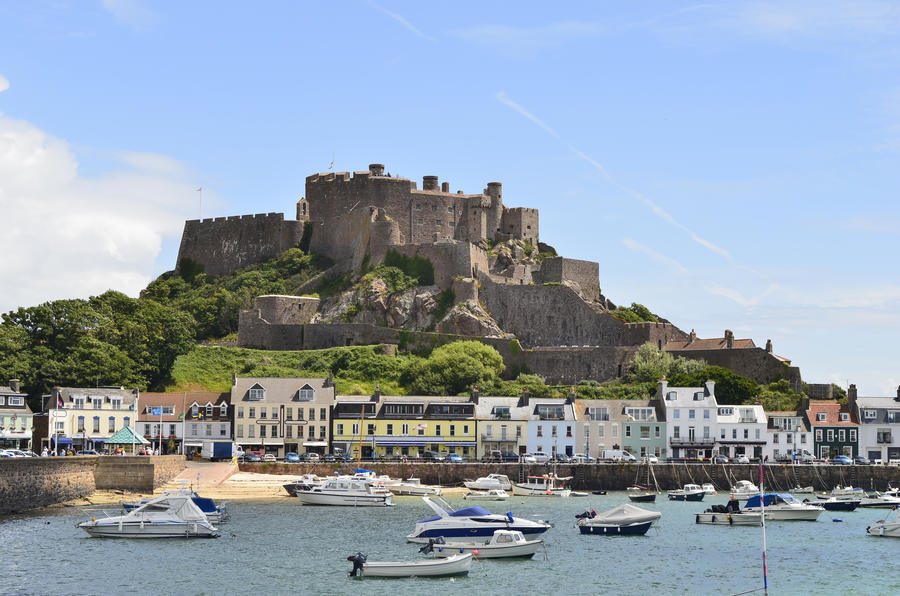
{"x": 544, "y": 314}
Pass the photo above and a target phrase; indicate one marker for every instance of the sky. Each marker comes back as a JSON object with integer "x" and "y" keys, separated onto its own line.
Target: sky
{"x": 730, "y": 165}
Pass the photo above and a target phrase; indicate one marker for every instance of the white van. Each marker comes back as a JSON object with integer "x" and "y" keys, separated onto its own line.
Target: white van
{"x": 617, "y": 455}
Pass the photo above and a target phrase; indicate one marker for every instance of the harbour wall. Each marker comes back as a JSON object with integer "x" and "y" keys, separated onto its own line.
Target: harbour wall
{"x": 616, "y": 476}
{"x": 30, "y": 483}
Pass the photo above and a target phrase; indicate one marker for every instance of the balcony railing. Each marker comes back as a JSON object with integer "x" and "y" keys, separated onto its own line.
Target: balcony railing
{"x": 694, "y": 441}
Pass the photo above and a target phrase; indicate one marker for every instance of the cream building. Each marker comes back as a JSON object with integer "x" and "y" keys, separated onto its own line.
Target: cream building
{"x": 82, "y": 418}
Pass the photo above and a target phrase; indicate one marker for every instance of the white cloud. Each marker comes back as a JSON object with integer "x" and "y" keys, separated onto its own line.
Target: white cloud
{"x": 819, "y": 17}
{"x": 4, "y": 83}
{"x": 400, "y": 19}
{"x": 66, "y": 235}
{"x": 735, "y": 295}
{"x": 131, "y": 13}
{"x": 661, "y": 258}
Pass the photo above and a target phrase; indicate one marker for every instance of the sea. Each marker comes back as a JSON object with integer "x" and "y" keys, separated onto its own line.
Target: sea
{"x": 283, "y": 547}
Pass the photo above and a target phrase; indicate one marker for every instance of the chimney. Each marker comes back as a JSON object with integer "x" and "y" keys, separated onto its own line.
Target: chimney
{"x": 376, "y": 169}
{"x": 523, "y": 401}
{"x": 571, "y": 398}
{"x": 429, "y": 182}
{"x": 729, "y": 339}
{"x": 661, "y": 389}
{"x": 851, "y": 391}
{"x": 475, "y": 394}
{"x": 14, "y": 385}
{"x": 233, "y": 377}
{"x": 710, "y": 387}
{"x": 692, "y": 337}
{"x": 445, "y": 187}
{"x": 769, "y": 346}
{"x": 377, "y": 394}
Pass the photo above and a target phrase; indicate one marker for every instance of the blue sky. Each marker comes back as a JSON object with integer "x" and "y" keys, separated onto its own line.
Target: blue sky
{"x": 730, "y": 165}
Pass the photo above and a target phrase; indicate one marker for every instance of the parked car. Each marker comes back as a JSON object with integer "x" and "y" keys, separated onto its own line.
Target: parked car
{"x": 528, "y": 458}
{"x": 250, "y": 457}
{"x": 432, "y": 456}
{"x": 88, "y": 452}
{"x": 581, "y": 458}
{"x": 291, "y": 457}
{"x": 741, "y": 459}
{"x": 538, "y": 457}
{"x": 843, "y": 460}
{"x": 861, "y": 460}
{"x": 309, "y": 456}
{"x": 499, "y": 456}
{"x": 269, "y": 457}
{"x": 5, "y": 453}
{"x": 563, "y": 458}
{"x": 455, "y": 458}
{"x": 651, "y": 459}
{"x": 720, "y": 459}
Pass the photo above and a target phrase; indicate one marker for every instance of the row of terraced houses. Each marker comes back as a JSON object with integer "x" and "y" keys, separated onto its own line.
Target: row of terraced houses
{"x": 279, "y": 415}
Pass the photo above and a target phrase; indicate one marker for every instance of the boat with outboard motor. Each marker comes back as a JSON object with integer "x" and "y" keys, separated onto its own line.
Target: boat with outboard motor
{"x": 709, "y": 489}
{"x": 503, "y": 544}
{"x": 490, "y": 482}
{"x": 743, "y": 490}
{"x": 216, "y": 513}
{"x": 834, "y": 504}
{"x": 728, "y": 515}
{"x": 784, "y": 507}
{"x": 348, "y": 491}
{"x": 542, "y": 486}
{"x": 802, "y": 490}
{"x": 887, "y": 527}
{"x": 457, "y": 564}
{"x": 624, "y": 520}
{"x": 472, "y": 524}
{"x": 641, "y": 494}
{"x": 690, "y": 492}
{"x": 165, "y": 516}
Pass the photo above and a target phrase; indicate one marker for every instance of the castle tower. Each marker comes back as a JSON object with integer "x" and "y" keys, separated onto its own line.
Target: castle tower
{"x": 494, "y": 191}
{"x": 302, "y": 210}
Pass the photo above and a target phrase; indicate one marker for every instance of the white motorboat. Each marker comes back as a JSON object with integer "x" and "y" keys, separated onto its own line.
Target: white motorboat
{"x": 348, "y": 491}
{"x": 413, "y": 487}
{"x": 889, "y": 528}
{"x": 802, "y": 490}
{"x": 624, "y": 520}
{"x": 496, "y": 494}
{"x": 784, "y": 507}
{"x": 305, "y": 482}
{"x": 851, "y": 492}
{"x": 457, "y": 564}
{"x": 165, "y": 516}
{"x": 641, "y": 494}
{"x": 470, "y": 524}
{"x": 542, "y": 486}
{"x": 490, "y": 482}
{"x": 503, "y": 544}
{"x": 743, "y": 490}
{"x": 216, "y": 513}
{"x": 709, "y": 489}
{"x": 879, "y": 500}
{"x": 690, "y": 492}
{"x": 728, "y": 515}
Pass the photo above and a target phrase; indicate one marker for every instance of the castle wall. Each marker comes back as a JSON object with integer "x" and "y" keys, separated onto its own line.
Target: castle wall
{"x": 585, "y": 273}
{"x": 655, "y": 333}
{"x": 552, "y": 315}
{"x": 450, "y": 259}
{"x": 225, "y": 244}
{"x": 753, "y": 363}
{"x": 521, "y": 222}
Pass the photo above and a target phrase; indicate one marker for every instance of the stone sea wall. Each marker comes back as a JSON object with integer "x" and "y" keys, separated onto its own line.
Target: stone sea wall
{"x": 617, "y": 476}
{"x": 140, "y": 474}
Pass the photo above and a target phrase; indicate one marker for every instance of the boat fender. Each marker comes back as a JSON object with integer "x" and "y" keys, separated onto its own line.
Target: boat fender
{"x": 509, "y": 516}
{"x": 837, "y": 520}
{"x": 548, "y": 491}
{"x": 714, "y": 519}
{"x": 474, "y": 552}
{"x": 461, "y": 550}
{"x": 730, "y": 521}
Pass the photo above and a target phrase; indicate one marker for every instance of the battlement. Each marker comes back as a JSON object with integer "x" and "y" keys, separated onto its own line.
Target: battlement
{"x": 649, "y": 325}
{"x": 261, "y": 216}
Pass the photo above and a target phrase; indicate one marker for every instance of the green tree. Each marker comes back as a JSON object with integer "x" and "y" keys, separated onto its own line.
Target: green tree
{"x": 731, "y": 388}
{"x": 454, "y": 368}
{"x": 650, "y": 363}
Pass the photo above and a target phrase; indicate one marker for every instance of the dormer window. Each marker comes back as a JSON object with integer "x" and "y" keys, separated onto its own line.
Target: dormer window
{"x": 306, "y": 393}
{"x": 223, "y": 410}
{"x": 821, "y": 416}
{"x": 209, "y": 409}
{"x": 844, "y": 417}
{"x": 671, "y": 396}
{"x": 256, "y": 393}
{"x": 870, "y": 414}
{"x": 698, "y": 396}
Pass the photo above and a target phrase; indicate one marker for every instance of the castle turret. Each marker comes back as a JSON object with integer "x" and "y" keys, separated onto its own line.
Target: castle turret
{"x": 376, "y": 169}
{"x": 494, "y": 191}
{"x": 429, "y": 182}
{"x": 729, "y": 339}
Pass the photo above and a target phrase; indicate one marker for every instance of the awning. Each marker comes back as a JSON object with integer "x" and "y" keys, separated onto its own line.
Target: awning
{"x": 460, "y": 443}
{"x": 193, "y": 444}
{"x": 402, "y": 444}
{"x": 315, "y": 444}
{"x": 61, "y": 440}
{"x": 98, "y": 439}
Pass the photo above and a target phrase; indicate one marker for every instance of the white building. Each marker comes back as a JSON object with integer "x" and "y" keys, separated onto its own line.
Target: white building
{"x": 741, "y": 430}
{"x": 879, "y": 425}
{"x": 551, "y": 425}
{"x": 691, "y": 419}
{"x": 787, "y": 433}
{"x": 82, "y": 418}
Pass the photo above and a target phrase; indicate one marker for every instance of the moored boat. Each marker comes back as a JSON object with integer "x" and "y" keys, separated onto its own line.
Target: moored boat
{"x": 641, "y": 494}
{"x": 784, "y": 507}
{"x": 834, "y": 504}
{"x": 743, "y": 490}
{"x": 306, "y": 482}
{"x": 495, "y": 494}
{"x": 709, "y": 489}
{"x": 542, "y": 486}
{"x": 473, "y": 524}
{"x": 413, "y": 487}
{"x": 215, "y": 513}
{"x": 347, "y": 491}
{"x": 690, "y": 492}
{"x": 624, "y": 520}
{"x": 457, "y": 564}
{"x": 887, "y": 527}
{"x": 165, "y": 516}
{"x": 489, "y": 482}
{"x": 503, "y": 544}
{"x": 728, "y": 515}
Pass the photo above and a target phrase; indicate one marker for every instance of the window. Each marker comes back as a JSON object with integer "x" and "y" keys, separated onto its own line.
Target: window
{"x": 112, "y": 424}
{"x": 775, "y": 439}
{"x": 852, "y": 435}
{"x": 274, "y": 413}
{"x": 568, "y": 431}
{"x": 706, "y": 414}
{"x": 79, "y": 402}
{"x": 540, "y": 430}
{"x": 676, "y": 414}
{"x": 691, "y": 414}
{"x": 305, "y": 393}
{"x": 370, "y": 430}
{"x": 312, "y": 413}
{"x": 274, "y": 432}
{"x": 627, "y": 431}
{"x": 2, "y": 398}
{"x": 844, "y": 417}
{"x": 870, "y": 414}
{"x": 789, "y": 437}
{"x": 390, "y": 429}
{"x": 355, "y": 428}
{"x": 452, "y": 430}
{"x": 171, "y": 429}
{"x": 289, "y": 432}
{"x": 240, "y": 412}
{"x": 240, "y": 431}
{"x": 97, "y": 402}
{"x": 615, "y": 430}
{"x": 676, "y": 432}
{"x": 726, "y": 411}
{"x": 96, "y": 424}
{"x": 223, "y": 410}
{"x": 640, "y": 413}
{"x": 81, "y": 424}
{"x": 597, "y": 413}
{"x": 600, "y": 431}
{"x": 323, "y": 413}
{"x": 193, "y": 429}
{"x": 209, "y": 409}
{"x": 705, "y": 432}
{"x": 821, "y": 417}
{"x": 256, "y": 393}
{"x": 698, "y": 396}
{"x": 252, "y": 413}
{"x": 263, "y": 413}
{"x": 802, "y": 438}
{"x": 251, "y": 432}
{"x": 114, "y": 402}
{"x": 830, "y": 435}
{"x": 208, "y": 428}
{"x": 437, "y": 430}
{"x": 893, "y": 416}
{"x": 734, "y": 433}
{"x": 299, "y": 413}
{"x": 518, "y": 430}
{"x": 721, "y": 433}
{"x": 746, "y": 433}
{"x": 322, "y": 432}
{"x": 300, "y": 432}
{"x": 223, "y": 430}
{"x": 262, "y": 432}
{"x": 146, "y": 429}
{"x": 671, "y": 396}
{"x": 841, "y": 435}
{"x": 645, "y": 432}
{"x": 553, "y": 431}
{"x": 340, "y": 429}
{"x": 421, "y": 429}
{"x": 289, "y": 413}
{"x": 404, "y": 429}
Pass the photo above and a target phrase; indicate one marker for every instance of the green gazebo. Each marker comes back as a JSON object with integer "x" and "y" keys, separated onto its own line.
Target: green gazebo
{"x": 126, "y": 436}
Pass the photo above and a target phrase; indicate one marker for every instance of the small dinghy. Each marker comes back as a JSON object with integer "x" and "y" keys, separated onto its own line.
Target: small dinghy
{"x": 458, "y": 564}
{"x": 624, "y": 520}
{"x": 834, "y": 504}
{"x": 503, "y": 544}
{"x": 641, "y": 494}
{"x": 497, "y": 494}
{"x": 888, "y": 527}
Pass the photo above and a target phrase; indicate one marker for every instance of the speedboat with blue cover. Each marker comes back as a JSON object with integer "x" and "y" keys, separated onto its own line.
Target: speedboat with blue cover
{"x": 469, "y": 524}
{"x": 783, "y": 507}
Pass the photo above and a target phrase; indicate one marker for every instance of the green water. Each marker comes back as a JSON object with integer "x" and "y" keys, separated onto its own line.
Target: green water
{"x": 285, "y": 548}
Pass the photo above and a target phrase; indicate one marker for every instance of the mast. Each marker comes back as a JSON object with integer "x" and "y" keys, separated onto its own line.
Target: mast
{"x": 762, "y": 509}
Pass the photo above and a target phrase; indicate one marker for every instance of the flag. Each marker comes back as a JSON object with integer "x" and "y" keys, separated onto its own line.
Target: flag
{"x": 59, "y": 403}
{"x": 157, "y": 412}
{"x": 181, "y": 416}
{"x": 421, "y": 427}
